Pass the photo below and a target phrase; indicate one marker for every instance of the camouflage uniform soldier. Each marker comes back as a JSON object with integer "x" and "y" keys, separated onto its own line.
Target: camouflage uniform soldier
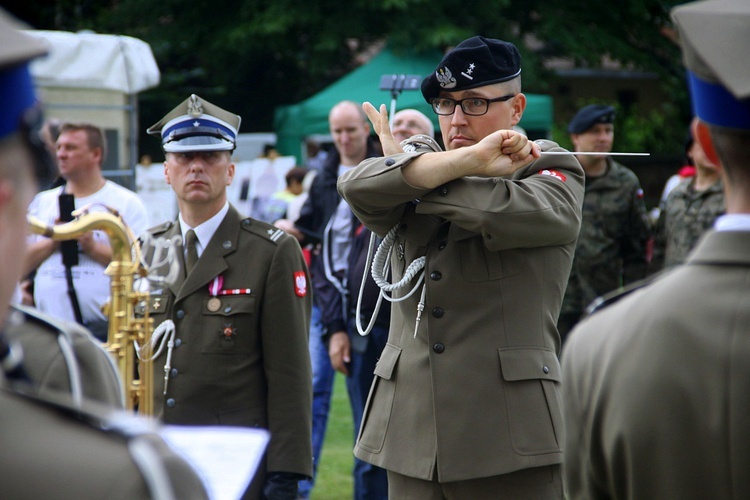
{"x": 687, "y": 215}
{"x": 611, "y": 248}
{"x": 689, "y": 211}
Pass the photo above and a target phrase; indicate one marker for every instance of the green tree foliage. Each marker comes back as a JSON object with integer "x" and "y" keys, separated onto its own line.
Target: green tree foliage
{"x": 251, "y": 55}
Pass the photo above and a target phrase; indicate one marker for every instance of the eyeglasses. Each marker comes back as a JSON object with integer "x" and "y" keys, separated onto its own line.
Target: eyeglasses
{"x": 473, "y": 106}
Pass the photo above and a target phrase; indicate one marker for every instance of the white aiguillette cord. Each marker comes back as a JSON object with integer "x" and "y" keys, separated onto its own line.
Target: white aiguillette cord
{"x": 165, "y": 333}
{"x": 379, "y": 271}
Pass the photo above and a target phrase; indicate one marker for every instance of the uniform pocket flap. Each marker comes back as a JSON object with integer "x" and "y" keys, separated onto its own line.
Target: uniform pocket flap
{"x": 228, "y": 305}
{"x": 529, "y": 363}
{"x": 387, "y": 362}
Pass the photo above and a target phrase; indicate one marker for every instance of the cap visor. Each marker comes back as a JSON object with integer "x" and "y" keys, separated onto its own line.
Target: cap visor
{"x": 198, "y": 143}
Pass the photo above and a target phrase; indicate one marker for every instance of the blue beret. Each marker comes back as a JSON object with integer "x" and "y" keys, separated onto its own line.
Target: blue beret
{"x": 590, "y": 115}
{"x": 473, "y": 63}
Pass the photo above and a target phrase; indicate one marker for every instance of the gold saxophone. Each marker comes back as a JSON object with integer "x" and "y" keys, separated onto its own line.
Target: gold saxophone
{"x": 124, "y": 328}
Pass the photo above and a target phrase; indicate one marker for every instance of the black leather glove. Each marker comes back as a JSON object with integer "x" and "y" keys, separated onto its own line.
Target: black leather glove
{"x": 281, "y": 485}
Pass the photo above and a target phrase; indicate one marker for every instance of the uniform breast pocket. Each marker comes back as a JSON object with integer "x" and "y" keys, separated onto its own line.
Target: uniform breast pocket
{"x": 229, "y": 324}
{"x": 532, "y": 394}
{"x": 478, "y": 263}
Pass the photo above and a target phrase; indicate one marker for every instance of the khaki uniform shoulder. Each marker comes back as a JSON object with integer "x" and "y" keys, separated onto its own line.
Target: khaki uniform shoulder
{"x": 545, "y": 144}
{"x": 23, "y": 314}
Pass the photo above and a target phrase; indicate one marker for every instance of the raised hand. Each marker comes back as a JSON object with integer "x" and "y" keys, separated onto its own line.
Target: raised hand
{"x": 380, "y": 125}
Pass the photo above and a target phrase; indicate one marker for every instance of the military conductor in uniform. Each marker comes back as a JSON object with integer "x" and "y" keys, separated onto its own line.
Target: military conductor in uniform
{"x": 657, "y": 385}
{"x": 466, "y": 399}
{"x": 236, "y": 317}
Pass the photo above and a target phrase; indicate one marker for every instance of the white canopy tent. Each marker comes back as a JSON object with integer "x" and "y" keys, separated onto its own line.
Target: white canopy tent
{"x": 96, "y": 78}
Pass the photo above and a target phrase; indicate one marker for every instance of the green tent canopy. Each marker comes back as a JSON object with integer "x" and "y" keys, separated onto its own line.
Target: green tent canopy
{"x": 295, "y": 122}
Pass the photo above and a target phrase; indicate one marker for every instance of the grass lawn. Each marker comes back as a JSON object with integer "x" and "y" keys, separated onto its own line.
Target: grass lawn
{"x": 334, "y": 481}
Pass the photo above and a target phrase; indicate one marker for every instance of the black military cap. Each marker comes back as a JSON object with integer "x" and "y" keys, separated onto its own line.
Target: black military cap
{"x": 473, "y": 63}
{"x": 590, "y": 115}
{"x": 715, "y": 36}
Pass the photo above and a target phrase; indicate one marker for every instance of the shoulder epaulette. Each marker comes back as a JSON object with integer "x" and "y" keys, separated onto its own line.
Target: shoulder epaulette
{"x": 30, "y": 314}
{"x": 160, "y": 228}
{"x": 262, "y": 229}
{"x": 545, "y": 144}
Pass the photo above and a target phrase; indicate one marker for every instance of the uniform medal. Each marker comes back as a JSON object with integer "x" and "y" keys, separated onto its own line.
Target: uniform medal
{"x": 216, "y": 289}
{"x": 214, "y": 304}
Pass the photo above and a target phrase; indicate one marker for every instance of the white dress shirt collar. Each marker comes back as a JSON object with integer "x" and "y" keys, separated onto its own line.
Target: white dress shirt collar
{"x": 206, "y": 230}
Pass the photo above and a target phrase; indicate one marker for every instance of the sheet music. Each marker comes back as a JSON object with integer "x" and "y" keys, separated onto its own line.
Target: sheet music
{"x": 226, "y": 457}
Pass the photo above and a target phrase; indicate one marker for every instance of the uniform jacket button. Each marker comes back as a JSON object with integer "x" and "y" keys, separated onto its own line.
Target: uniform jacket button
{"x": 439, "y": 348}
{"x": 173, "y": 372}
{"x": 443, "y": 191}
{"x": 442, "y": 245}
{"x": 545, "y": 369}
{"x": 436, "y": 275}
{"x": 438, "y": 312}
{"x": 170, "y": 403}
{"x": 389, "y": 162}
{"x": 178, "y": 342}
{"x": 180, "y": 314}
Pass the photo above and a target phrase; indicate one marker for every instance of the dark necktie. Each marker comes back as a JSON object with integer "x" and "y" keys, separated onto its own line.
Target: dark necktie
{"x": 192, "y": 250}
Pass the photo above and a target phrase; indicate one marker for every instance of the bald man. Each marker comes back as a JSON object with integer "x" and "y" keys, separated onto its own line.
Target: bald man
{"x": 409, "y": 122}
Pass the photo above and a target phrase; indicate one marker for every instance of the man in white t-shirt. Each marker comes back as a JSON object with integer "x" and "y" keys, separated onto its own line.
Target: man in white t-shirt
{"x": 80, "y": 151}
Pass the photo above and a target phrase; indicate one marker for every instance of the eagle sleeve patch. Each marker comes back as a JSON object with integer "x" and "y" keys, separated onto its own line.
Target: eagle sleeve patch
{"x": 300, "y": 284}
{"x": 553, "y": 173}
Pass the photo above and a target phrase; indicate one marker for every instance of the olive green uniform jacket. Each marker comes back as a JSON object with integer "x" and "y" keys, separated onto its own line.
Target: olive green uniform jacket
{"x": 244, "y": 362}
{"x": 477, "y": 392}
{"x": 54, "y": 451}
{"x": 64, "y": 357}
{"x": 656, "y": 386}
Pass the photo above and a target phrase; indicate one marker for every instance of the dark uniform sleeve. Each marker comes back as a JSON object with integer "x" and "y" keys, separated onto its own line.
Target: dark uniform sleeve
{"x": 285, "y": 322}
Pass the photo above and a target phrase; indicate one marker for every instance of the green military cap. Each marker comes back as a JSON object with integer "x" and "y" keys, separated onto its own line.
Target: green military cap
{"x": 197, "y": 125}
{"x": 715, "y": 36}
